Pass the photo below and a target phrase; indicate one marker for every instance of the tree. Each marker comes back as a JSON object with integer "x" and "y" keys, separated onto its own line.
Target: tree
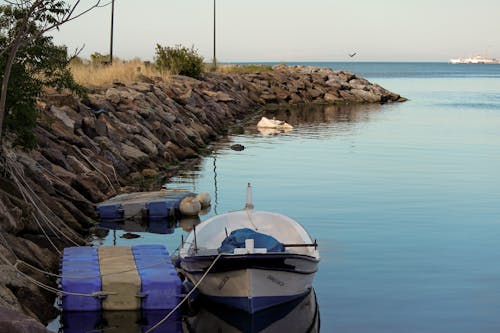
{"x": 39, "y": 65}
{"x": 23, "y": 24}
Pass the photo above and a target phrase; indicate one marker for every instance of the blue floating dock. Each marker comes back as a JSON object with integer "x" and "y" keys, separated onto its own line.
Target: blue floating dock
{"x": 88, "y": 270}
{"x": 80, "y": 275}
{"x": 112, "y": 211}
{"x": 161, "y": 287}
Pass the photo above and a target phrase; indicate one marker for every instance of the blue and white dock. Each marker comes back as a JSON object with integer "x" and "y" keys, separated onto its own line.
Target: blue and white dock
{"x": 156, "y": 205}
{"x": 140, "y": 277}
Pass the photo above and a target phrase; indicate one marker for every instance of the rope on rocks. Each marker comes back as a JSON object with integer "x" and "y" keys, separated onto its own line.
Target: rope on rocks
{"x": 155, "y": 326}
{"x": 28, "y": 196}
{"x": 98, "y": 170}
{"x": 52, "y": 289}
{"x": 48, "y": 220}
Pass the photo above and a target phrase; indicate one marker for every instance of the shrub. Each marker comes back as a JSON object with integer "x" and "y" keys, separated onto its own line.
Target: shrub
{"x": 179, "y": 60}
{"x": 98, "y": 59}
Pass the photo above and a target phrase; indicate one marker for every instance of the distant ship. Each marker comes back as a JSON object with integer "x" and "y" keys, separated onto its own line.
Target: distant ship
{"x": 479, "y": 59}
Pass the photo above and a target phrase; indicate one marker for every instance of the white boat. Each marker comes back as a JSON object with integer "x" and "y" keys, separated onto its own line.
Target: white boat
{"x": 255, "y": 259}
{"x": 478, "y": 59}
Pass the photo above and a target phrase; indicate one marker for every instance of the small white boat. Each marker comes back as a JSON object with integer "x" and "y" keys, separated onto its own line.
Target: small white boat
{"x": 254, "y": 259}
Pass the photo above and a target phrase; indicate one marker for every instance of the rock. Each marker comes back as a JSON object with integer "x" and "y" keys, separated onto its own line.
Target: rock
{"x": 209, "y": 93}
{"x": 332, "y": 98}
{"x": 90, "y": 188}
{"x": 15, "y": 322}
{"x": 145, "y": 145}
{"x": 149, "y": 173}
{"x": 77, "y": 165}
{"x": 273, "y": 123}
{"x": 237, "y": 147}
{"x": 314, "y": 93}
{"x": 55, "y": 156}
{"x": 129, "y": 235}
{"x": 32, "y": 253}
{"x": 365, "y": 96}
{"x": 132, "y": 153}
{"x": 10, "y": 215}
{"x": 67, "y": 115}
{"x": 101, "y": 125}
{"x": 223, "y": 97}
{"x": 60, "y": 100}
{"x": 269, "y": 98}
{"x": 113, "y": 95}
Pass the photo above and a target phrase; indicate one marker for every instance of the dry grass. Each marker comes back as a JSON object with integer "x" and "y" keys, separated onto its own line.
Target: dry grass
{"x": 250, "y": 68}
{"x": 124, "y": 71}
{"x": 127, "y": 71}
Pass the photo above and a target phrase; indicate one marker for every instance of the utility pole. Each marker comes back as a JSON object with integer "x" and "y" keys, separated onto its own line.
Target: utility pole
{"x": 214, "y": 59}
{"x": 112, "y": 25}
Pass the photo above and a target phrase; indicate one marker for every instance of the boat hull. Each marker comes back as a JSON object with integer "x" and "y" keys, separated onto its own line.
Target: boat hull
{"x": 257, "y": 286}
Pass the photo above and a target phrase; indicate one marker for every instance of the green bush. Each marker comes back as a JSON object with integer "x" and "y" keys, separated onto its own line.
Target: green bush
{"x": 179, "y": 60}
{"x": 98, "y": 59}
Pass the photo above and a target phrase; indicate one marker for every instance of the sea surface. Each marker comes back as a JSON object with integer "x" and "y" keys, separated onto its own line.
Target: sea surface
{"x": 403, "y": 199}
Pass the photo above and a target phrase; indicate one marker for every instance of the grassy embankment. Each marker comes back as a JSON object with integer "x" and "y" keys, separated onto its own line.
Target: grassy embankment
{"x": 127, "y": 71}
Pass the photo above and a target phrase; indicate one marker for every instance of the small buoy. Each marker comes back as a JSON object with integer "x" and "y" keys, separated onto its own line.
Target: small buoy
{"x": 190, "y": 206}
{"x": 238, "y": 147}
{"x": 204, "y": 199}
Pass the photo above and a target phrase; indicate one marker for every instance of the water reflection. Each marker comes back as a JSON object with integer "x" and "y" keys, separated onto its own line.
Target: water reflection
{"x": 313, "y": 116}
{"x": 298, "y": 316}
{"x": 150, "y": 225}
{"x": 119, "y": 322}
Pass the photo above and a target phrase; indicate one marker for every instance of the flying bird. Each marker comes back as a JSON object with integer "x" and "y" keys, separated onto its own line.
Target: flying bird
{"x": 352, "y": 54}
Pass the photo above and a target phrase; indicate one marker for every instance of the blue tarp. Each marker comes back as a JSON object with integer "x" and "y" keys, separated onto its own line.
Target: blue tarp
{"x": 237, "y": 240}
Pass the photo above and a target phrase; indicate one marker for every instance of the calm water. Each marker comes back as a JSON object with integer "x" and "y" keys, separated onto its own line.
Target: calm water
{"x": 404, "y": 199}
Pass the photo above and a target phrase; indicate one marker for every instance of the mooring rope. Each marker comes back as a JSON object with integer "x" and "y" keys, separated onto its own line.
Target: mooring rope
{"x": 155, "y": 326}
{"x": 34, "y": 216}
{"x": 98, "y": 170}
{"x": 48, "y": 220}
{"x": 74, "y": 277}
{"x": 25, "y": 190}
{"x": 52, "y": 289}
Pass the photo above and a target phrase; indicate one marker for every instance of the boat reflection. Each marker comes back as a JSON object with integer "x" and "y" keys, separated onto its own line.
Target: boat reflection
{"x": 151, "y": 225}
{"x": 300, "y": 316}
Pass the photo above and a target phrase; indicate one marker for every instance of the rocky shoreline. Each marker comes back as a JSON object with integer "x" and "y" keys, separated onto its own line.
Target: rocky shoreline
{"x": 123, "y": 134}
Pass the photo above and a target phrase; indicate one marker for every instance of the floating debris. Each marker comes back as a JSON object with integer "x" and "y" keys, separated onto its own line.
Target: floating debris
{"x": 273, "y": 123}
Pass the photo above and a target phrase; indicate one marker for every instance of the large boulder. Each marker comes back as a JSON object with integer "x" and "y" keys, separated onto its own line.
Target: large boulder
{"x": 15, "y": 322}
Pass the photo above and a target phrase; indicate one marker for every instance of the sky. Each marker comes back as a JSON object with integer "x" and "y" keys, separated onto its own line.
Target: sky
{"x": 292, "y": 30}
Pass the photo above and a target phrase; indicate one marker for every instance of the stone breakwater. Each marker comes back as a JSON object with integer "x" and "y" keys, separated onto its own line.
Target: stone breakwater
{"x": 93, "y": 148}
